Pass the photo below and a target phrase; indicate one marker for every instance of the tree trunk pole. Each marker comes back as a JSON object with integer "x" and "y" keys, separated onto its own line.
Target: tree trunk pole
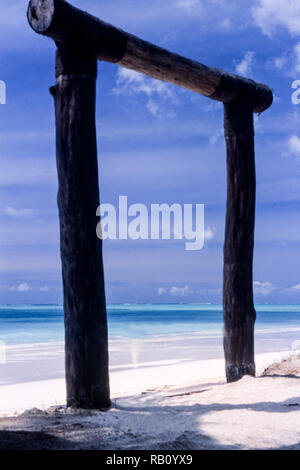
{"x": 239, "y": 312}
{"x": 61, "y": 21}
{"x": 86, "y": 345}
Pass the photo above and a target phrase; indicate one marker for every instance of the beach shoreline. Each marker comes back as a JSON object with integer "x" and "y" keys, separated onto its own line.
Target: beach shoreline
{"x": 177, "y": 381}
{"x": 207, "y": 413}
{"x": 33, "y": 376}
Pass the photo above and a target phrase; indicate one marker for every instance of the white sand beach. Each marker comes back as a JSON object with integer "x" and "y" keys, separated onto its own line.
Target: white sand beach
{"x": 33, "y": 374}
{"x": 190, "y": 400}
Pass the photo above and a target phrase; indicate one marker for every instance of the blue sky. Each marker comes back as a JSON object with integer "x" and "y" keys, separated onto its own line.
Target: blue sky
{"x": 157, "y": 143}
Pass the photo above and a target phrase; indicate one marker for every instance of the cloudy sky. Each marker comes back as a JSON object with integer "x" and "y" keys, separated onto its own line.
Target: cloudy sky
{"x": 157, "y": 144}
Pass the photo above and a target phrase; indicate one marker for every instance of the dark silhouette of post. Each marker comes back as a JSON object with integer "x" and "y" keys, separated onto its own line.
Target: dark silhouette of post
{"x": 81, "y": 39}
{"x": 81, "y": 251}
{"x": 238, "y": 308}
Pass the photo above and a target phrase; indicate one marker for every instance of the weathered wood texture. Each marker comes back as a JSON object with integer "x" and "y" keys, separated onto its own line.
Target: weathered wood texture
{"x": 81, "y": 251}
{"x": 81, "y": 39}
{"x": 238, "y": 308}
{"x": 64, "y": 23}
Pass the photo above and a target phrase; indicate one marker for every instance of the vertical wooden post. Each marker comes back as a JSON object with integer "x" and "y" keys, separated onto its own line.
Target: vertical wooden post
{"x": 239, "y": 312}
{"x": 81, "y": 251}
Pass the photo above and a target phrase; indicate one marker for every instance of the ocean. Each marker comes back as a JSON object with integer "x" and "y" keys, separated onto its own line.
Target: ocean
{"x": 29, "y": 324}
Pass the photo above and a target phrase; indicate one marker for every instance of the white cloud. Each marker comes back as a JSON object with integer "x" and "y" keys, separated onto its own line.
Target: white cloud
{"x": 24, "y": 287}
{"x": 295, "y": 288}
{"x": 162, "y": 291}
{"x": 289, "y": 63}
{"x": 226, "y": 24}
{"x": 189, "y": 5}
{"x": 245, "y": 66}
{"x": 217, "y": 15}
{"x": 130, "y": 82}
{"x": 176, "y": 291}
{"x": 153, "y": 107}
{"x": 44, "y": 289}
{"x": 294, "y": 145}
{"x": 213, "y": 11}
{"x": 280, "y": 62}
{"x": 180, "y": 291}
{"x": 216, "y": 136}
{"x": 269, "y": 15}
{"x": 209, "y": 234}
{"x": 166, "y": 14}
{"x": 18, "y": 213}
{"x": 263, "y": 288}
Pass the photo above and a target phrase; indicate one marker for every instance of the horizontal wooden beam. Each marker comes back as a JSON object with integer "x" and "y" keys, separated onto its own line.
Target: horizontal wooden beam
{"x": 62, "y": 22}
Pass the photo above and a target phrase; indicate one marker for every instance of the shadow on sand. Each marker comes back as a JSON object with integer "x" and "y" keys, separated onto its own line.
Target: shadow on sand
{"x": 107, "y": 431}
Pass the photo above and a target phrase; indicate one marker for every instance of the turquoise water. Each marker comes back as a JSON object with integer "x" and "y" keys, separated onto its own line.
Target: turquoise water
{"x": 38, "y": 324}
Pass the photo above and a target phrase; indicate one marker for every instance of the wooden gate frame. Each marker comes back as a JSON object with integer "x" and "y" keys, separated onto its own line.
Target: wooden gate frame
{"x": 81, "y": 39}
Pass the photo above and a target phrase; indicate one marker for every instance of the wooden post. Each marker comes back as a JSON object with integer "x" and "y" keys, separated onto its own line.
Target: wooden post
{"x": 238, "y": 308}
{"x": 81, "y": 251}
{"x": 59, "y": 20}
{"x": 79, "y": 36}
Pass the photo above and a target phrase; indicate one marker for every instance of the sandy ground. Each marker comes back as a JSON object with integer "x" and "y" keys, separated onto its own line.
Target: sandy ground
{"x": 185, "y": 405}
{"x": 33, "y": 376}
